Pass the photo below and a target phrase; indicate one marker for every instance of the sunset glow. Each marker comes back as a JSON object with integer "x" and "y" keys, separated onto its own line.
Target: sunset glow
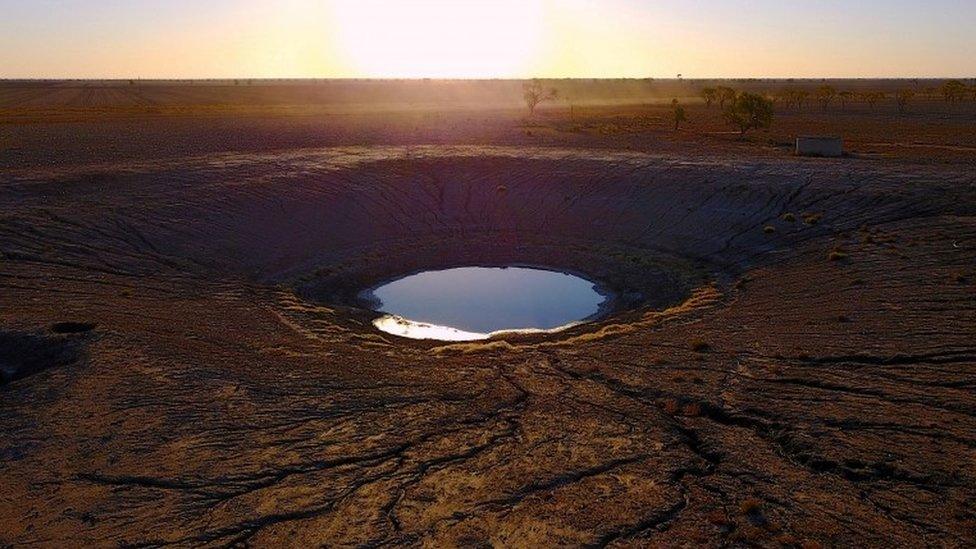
{"x": 438, "y": 39}
{"x": 484, "y": 39}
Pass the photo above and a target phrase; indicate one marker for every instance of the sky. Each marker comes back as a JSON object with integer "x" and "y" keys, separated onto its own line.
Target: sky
{"x": 486, "y": 38}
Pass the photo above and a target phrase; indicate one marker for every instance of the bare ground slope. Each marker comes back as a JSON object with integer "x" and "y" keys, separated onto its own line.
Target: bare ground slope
{"x": 797, "y": 365}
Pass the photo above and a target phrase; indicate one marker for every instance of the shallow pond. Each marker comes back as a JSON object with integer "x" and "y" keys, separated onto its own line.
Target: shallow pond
{"x": 471, "y": 303}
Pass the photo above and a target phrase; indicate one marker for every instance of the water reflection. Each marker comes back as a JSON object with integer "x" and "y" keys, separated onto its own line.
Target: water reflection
{"x": 471, "y": 303}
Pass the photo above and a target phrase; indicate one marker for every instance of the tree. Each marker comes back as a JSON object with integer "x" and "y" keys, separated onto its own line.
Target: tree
{"x": 709, "y": 95}
{"x": 796, "y": 98}
{"x": 725, "y": 95}
{"x": 826, "y": 95}
{"x": 801, "y": 98}
{"x": 845, "y": 97}
{"x": 678, "y": 113}
{"x": 785, "y": 97}
{"x": 749, "y": 112}
{"x": 534, "y": 93}
{"x": 903, "y": 97}
{"x": 872, "y": 98}
{"x": 954, "y": 91}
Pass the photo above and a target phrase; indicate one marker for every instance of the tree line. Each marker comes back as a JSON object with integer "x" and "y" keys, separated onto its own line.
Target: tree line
{"x": 751, "y": 111}
{"x": 952, "y": 92}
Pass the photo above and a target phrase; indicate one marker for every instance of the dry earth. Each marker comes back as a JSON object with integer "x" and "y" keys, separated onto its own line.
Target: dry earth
{"x": 793, "y": 362}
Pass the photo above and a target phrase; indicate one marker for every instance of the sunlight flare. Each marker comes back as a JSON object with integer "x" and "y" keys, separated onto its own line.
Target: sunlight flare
{"x": 437, "y": 39}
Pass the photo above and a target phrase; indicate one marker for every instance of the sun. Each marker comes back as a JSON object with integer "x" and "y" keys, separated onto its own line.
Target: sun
{"x": 438, "y": 38}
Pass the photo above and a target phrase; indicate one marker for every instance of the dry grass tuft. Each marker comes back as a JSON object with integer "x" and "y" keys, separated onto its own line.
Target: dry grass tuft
{"x": 700, "y": 346}
{"x": 769, "y": 229}
{"x": 606, "y": 331}
{"x": 671, "y": 406}
{"x": 789, "y": 218}
{"x": 837, "y": 255}
{"x": 811, "y": 218}
{"x": 750, "y": 505}
{"x": 691, "y": 410}
{"x": 788, "y": 540}
{"x": 718, "y": 518}
{"x": 370, "y": 339}
{"x": 469, "y": 348}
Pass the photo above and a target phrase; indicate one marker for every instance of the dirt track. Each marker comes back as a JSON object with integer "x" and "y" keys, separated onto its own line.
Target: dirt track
{"x": 795, "y": 365}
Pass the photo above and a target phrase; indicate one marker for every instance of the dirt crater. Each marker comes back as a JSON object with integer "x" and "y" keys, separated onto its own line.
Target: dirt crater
{"x": 220, "y": 384}
{"x": 328, "y": 223}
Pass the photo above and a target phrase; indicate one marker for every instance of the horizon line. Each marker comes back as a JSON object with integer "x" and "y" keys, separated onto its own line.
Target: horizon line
{"x": 463, "y": 78}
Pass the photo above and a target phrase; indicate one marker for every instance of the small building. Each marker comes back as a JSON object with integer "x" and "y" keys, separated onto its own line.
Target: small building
{"x": 820, "y": 146}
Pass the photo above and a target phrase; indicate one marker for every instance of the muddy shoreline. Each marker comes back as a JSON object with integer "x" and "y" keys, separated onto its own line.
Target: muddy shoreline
{"x": 611, "y": 301}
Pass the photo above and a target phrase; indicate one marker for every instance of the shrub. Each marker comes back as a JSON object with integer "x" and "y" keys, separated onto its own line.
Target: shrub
{"x": 837, "y": 255}
{"x": 678, "y": 113}
{"x": 789, "y": 218}
{"x": 749, "y": 112}
{"x": 700, "y": 346}
{"x": 769, "y": 229}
